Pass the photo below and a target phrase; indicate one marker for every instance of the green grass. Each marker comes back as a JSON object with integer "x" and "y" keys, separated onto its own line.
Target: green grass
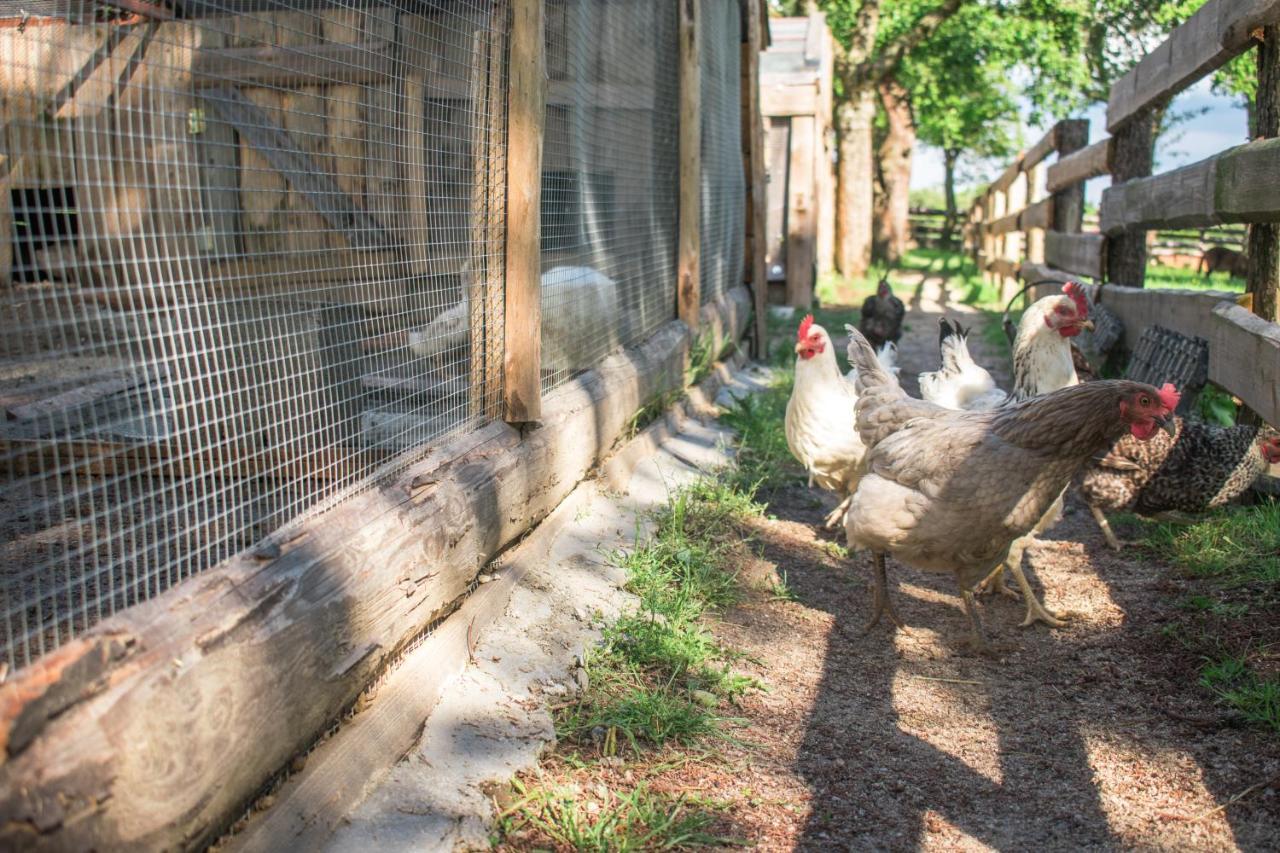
{"x": 764, "y": 461}
{"x": 651, "y": 676}
{"x": 1236, "y": 552}
{"x": 617, "y": 822}
{"x": 1239, "y": 545}
{"x": 1174, "y": 278}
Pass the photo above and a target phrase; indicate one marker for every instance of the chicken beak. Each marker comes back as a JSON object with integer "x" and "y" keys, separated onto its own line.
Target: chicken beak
{"x": 1086, "y": 324}
{"x": 800, "y": 348}
{"x": 1167, "y": 424}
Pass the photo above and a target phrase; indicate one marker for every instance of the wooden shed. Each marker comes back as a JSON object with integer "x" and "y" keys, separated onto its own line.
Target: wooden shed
{"x": 796, "y": 103}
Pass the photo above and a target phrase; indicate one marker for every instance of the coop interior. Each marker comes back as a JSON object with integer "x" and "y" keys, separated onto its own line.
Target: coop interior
{"x": 255, "y": 260}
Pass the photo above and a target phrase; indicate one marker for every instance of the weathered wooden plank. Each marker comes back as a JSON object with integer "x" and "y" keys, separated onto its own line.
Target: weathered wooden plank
{"x": 298, "y": 169}
{"x": 1038, "y": 215}
{"x": 1263, "y": 240}
{"x": 1037, "y": 153}
{"x": 370, "y": 62}
{"x": 789, "y": 100}
{"x": 1244, "y": 358}
{"x": 801, "y": 214}
{"x": 1091, "y": 162}
{"x": 526, "y": 111}
{"x": 1219, "y": 31}
{"x": 1005, "y": 224}
{"x": 1076, "y": 253}
{"x": 1008, "y": 176}
{"x": 753, "y": 137}
{"x": 1235, "y": 186}
{"x": 1068, "y": 202}
{"x": 220, "y": 681}
{"x": 688, "y": 262}
{"x": 815, "y": 29}
{"x": 1247, "y": 185}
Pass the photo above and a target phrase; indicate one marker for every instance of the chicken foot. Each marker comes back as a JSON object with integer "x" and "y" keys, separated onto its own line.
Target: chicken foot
{"x": 977, "y": 637}
{"x": 994, "y": 583}
{"x": 836, "y": 517}
{"x": 880, "y": 600}
{"x": 1112, "y": 540}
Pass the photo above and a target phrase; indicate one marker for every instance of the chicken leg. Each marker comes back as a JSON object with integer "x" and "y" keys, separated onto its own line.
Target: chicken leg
{"x": 977, "y": 637}
{"x": 1036, "y": 612}
{"x": 880, "y": 601}
{"x": 1101, "y": 517}
{"x": 836, "y": 517}
{"x": 994, "y": 582}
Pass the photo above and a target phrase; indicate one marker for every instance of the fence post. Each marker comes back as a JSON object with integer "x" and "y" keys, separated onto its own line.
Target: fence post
{"x": 1068, "y": 204}
{"x": 1014, "y": 241}
{"x": 1035, "y": 194}
{"x": 753, "y": 162}
{"x": 1263, "y": 242}
{"x": 526, "y": 110}
{"x": 688, "y": 265}
{"x": 1131, "y": 152}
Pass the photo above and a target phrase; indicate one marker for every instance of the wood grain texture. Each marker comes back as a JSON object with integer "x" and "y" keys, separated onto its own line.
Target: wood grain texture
{"x": 1263, "y": 241}
{"x": 526, "y": 112}
{"x": 1235, "y": 186}
{"x": 1219, "y": 31}
{"x": 688, "y": 262}
{"x": 802, "y": 219}
{"x": 753, "y": 140}
{"x": 1037, "y": 153}
{"x": 203, "y": 693}
{"x": 1081, "y": 254}
{"x": 1037, "y": 216}
{"x": 797, "y": 100}
{"x": 1091, "y": 162}
{"x": 1244, "y": 358}
{"x": 1068, "y": 202}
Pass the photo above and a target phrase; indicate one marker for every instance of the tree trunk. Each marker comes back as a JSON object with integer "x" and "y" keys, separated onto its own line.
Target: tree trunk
{"x": 895, "y": 170}
{"x": 949, "y": 158}
{"x": 855, "y": 119}
{"x": 1263, "y": 247}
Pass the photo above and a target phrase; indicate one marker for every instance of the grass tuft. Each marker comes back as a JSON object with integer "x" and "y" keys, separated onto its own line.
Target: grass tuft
{"x": 1239, "y": 545}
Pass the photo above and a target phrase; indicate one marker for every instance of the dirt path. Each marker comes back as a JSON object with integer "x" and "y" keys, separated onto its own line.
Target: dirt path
{"x": 1095, "y": 736}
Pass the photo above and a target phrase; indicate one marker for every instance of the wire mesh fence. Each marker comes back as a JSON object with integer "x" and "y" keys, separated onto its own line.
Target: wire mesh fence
{"x": 723, "y": 183}
{"x": 610, "y": 179}
{"x": 255, "y": 260}
{"x": 237, "y": 289}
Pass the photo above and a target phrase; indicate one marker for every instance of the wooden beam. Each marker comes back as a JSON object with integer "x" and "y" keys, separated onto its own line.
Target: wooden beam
{"x": 526, "y": 112}
{"x": 296, "y": 166}
{"x": 688, "y": 263}
{"x": 813, "y": 37}
{"x": 1005, "y": 224}
{"x": 1008, "y": 176}
{"x": 789, "y": 100}
{"x": 1037, "y": 216}
{"x": 224, "y": 678}
{"x": 753, "y": 137}
{"x": 1047, "y": 145}
{"x": 1068, "y": 202}
{"x": 1076, "y": 253}
{"x": 302, "y": 65}
{"x": 1091, "y": 162}
{"x": 1219, "y": 31}
{"x": 802, "y": 217}
{"x": 1235, "y": 186}
{"x": 1263, "y": 241}
{"x": 1244, "y": 358}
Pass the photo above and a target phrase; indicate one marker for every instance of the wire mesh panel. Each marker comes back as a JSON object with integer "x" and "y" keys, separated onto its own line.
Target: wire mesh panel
{"x": 723, "y": 182}
{"x": 610, "y": 182}
{"x": 252, "y": 261}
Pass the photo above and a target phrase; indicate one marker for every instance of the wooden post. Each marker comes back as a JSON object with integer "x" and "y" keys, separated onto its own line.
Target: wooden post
{"x": 1014, "y": 241}
{"x": 753, "y": 162}
{"x": 999, "y": 207}
{"x": 1035, "y": 194}
{"x": 415, "y": 146}
{"x": 526, "y": 112}
{"x": 1263, "y": 242}
{"x": 688, "y": 264}
{"x": 1068, "y": 204}
{"x": 1126, "y": 254}
{"x": 801, "y": 217}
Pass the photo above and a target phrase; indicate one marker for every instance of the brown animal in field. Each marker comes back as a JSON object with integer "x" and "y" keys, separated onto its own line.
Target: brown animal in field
{"x": 1218, "y": 258}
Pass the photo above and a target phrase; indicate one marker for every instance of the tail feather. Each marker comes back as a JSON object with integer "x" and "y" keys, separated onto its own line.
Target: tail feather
{"x": 953, "y": 347}
{"x": 871, "y": 373}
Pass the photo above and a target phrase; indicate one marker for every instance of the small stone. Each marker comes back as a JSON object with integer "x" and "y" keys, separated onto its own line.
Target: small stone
{"x": 705, "y": 698}
{"x": 486, "y": 579}
{"x": 582, "y": 678}
{"x": 593, "y": 807}
{"x": 555, "y": 689}
{"x": 581, "y": 615}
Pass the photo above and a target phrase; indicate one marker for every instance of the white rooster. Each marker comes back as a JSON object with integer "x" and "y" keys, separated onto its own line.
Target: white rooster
{"x": 819, "y": 423}
{"x": 1042, "y": 363}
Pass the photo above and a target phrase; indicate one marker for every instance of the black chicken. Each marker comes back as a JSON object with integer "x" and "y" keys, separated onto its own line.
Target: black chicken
{"x": 882, "y": 316}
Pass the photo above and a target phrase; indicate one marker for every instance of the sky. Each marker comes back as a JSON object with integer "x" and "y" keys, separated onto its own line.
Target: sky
{"x": 1222, "y": 125}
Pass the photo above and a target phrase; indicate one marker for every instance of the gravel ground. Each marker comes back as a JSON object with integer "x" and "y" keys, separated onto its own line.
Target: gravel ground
{"x": 1094, "y": 736}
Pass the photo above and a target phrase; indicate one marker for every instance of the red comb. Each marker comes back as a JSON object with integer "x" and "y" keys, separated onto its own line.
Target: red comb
{"x": 1169, "y": 396}
{"x": 804, "y": 327}
{"x": 1076, "y": 292}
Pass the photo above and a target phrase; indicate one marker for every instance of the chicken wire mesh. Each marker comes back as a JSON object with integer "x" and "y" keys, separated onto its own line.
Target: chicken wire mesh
{"x": 722, "y": 187}
{"x": 251, "y": 268}
{"x": 610, "y": 184}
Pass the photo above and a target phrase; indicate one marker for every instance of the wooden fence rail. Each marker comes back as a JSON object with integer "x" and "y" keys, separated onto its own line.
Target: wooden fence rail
{"x": 1240, "y": 185}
